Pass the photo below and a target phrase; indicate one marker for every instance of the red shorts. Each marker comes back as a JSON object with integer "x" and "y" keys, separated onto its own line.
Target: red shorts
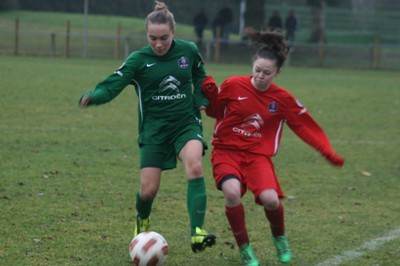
{"x": 255, "y": 172}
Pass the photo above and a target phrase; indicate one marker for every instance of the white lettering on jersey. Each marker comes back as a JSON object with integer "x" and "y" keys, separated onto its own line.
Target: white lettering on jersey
{"x": 246, "y": 133}
{"x": 169, "y": 97}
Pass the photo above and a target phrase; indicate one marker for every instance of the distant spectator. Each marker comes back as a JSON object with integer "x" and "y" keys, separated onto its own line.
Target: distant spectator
{"x": 200, "y": 21}
{"x": 291, "y": 27}
{"x": 223, "y": 19}
{"x": 275, "y": 22}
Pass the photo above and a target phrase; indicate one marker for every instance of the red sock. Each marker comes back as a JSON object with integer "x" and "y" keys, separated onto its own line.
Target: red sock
{"x": 276, "y": 220}
{"x": 236, "y": 219}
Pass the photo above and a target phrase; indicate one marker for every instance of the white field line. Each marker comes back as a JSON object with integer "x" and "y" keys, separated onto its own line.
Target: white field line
{"x": 362, "y": 250}
{"x": 48, "y": 128}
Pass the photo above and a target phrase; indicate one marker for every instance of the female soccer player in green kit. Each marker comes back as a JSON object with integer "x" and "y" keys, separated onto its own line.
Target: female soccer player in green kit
{"x": 167, "y": 75}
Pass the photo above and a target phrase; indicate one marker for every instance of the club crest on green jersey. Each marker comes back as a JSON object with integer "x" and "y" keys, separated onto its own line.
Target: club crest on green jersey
{"x": 183, "y": 62}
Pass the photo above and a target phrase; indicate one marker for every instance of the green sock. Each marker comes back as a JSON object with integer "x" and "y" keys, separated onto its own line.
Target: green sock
{"x": 196, "y": 203}
{"x": 143, "y": 207}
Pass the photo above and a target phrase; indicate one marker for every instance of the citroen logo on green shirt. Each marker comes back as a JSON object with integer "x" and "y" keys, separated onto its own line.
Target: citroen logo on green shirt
{"x": 169, "y": 83}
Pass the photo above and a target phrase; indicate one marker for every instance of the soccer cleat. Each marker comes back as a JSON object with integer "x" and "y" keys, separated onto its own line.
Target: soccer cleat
{"x": 283, "y": 250}
{"x": 202, "y": 239}
{"x": 248, "y": 256}
{"x": 142, "y": 225}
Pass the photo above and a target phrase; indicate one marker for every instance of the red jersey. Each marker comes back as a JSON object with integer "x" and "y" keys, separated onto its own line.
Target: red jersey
{"x": 250, "y": 120}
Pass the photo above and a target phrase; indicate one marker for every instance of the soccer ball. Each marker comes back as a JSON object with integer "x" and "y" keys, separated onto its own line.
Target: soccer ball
{"x": 148, "y": 249}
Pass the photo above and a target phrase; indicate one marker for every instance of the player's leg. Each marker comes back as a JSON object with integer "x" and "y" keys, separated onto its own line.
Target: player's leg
{"x": 152, "y": 162}
{"x": 235, "y": 214}
{"x": 277, "y": 225}
{"x": 273, "y": 209}
{"x": 228, "y": 178}
{"x": 191, "y": 156}
{"x": 267, "y": 190}
{"x": 274, "y": 212}
{"x": 149, "y": 185}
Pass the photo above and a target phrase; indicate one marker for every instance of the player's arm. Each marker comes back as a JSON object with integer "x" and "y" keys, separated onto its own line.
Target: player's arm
{"x": 301, "y": 122}
{"x": 198, "y": 75}
{"x": 109, "y": 88}
{"x": 210, "y": 89}
{"x": 218, "y": 96}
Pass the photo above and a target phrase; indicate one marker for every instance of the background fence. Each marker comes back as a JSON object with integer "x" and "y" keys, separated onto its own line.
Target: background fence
{"x": 372, "y": 55}
{"x": 369, "y": 40}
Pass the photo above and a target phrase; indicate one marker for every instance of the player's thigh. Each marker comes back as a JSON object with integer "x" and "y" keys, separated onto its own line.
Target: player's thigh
{"x": 188, "y": 134}
{"x": 157, "y": 156}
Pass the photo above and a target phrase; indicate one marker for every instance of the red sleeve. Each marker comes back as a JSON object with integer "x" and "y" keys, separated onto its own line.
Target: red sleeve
{"x": 215, "y": 109}
{"x": 310, "y": 132}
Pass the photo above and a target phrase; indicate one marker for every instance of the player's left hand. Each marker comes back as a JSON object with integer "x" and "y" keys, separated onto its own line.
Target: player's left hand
{"x": 335, "y": 159}
{"x": 209, "y": 84}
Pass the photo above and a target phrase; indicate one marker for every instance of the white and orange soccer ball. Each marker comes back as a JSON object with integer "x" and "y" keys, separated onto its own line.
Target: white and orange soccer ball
{"x": 148, "y": 249}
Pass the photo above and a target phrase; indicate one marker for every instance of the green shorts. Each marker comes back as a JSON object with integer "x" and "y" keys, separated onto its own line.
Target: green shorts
{"x": 164, "y": 155}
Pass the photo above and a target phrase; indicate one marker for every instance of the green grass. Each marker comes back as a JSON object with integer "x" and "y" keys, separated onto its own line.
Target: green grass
{"x": 68, "y": 176}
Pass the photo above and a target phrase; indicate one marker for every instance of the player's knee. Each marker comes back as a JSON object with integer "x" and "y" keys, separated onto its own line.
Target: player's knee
{"x": 269, "y": 199}
{"x": 271, "y": 205}
{"x": 148, "y": 193}
{"x": 232, "y": 198}
{"x": 230, "y": 186}
{"x": 194, "y": 168}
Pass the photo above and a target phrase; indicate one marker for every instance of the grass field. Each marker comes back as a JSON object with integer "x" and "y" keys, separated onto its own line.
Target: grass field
{"x": 68, "y": 176}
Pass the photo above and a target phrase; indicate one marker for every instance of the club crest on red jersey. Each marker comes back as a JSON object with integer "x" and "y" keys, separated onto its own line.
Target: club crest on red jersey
{"x": 183, "y": 62}
{"x": 272, "y": 107}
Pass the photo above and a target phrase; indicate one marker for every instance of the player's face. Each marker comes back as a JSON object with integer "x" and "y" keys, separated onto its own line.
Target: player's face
{"x": 159, "y": 37}
{"x": 264, "y": 71}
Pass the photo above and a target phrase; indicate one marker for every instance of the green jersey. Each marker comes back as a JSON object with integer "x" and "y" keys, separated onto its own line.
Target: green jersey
{"x": 168, "y": 89}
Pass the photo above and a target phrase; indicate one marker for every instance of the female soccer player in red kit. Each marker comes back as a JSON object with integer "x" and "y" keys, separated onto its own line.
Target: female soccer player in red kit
{"x": 250, "y": 112}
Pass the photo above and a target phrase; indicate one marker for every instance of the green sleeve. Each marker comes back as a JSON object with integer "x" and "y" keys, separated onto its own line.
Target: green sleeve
{"x": 198, "y": 75}
{"x": 113, "y": 85}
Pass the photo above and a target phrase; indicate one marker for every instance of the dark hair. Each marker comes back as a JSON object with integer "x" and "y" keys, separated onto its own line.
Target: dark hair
{"x": 270, "y": 45}
{"x": 161, "y": 15}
